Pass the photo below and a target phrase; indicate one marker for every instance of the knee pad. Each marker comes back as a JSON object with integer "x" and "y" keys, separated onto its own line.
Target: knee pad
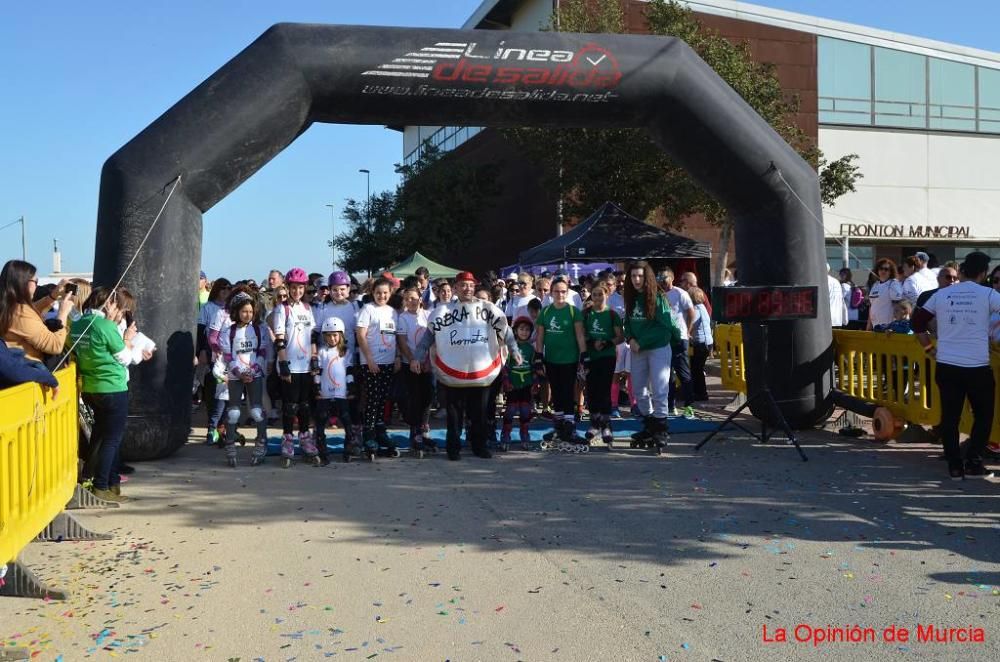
{"x": 233, "y": 416}
{"x": 257, "y": 414}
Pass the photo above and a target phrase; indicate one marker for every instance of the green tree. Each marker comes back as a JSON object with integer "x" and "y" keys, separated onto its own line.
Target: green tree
{"x": 374, "y": 239}
{"x": 634, "y": 172}
{"x": 441, "y": 200}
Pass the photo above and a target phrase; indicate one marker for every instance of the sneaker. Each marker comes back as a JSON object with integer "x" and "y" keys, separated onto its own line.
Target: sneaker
{"x": 674, "y": 411}
{"x": 977, "y": 470}
{"x": 615, "y": 413}
{"x": 689, "y": 412}
{"x": 109, "y": 495}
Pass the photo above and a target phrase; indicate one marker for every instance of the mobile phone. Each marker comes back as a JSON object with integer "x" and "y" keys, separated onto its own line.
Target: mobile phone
{"x": 128, "y": 318}
{"x": 70, "y": 288}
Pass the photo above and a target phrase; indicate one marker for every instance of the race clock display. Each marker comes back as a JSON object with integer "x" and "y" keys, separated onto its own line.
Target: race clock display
{"x": 765, "y": 303}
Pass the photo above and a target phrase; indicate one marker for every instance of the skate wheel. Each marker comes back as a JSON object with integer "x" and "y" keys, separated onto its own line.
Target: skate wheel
{"x": 286, "y": 463}
{"x": 585, "y": 449}
{"x": 631, "y": 444}
{"x": 394, "y": 452}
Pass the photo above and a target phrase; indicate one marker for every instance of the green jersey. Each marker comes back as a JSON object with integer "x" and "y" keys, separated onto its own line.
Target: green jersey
{"x": 601, "y": 326}
{"x": 520, "y": 376}
{"x": 651, "y": 333}
{"x": 100, "y": 371}
{"x": 560, "y": 333}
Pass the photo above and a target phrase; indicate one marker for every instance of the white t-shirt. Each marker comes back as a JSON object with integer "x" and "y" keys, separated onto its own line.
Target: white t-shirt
{"x": 514, "y": 304}
{"x": 413, "y": 326}
{"x": 245, "y": 352}
{"x": 963, "y": 314}
{"x": 838, "y": 308}
{"x": 680, "y": 303}
{"x": 208, "y": 313}
{"x": 379, "y": 323}
{"x": 347, "y": 313}
{"x": 296, "y": 323}
{"x": 913, "y": 286}
{"x": 333, "y": 374}
{"x": 928, "y": 278}
{"x": 881, "y": 296}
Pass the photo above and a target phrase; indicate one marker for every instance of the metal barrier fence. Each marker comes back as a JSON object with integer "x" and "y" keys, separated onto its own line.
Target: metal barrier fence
{"x": 38, "y": 459}
{"x": 891, "y": 370}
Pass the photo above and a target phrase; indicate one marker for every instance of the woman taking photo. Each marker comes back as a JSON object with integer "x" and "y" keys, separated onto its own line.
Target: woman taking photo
{"x": 21, "y": 323}
{"x": 102, "y": 354}
{"x": 650, "y": 331}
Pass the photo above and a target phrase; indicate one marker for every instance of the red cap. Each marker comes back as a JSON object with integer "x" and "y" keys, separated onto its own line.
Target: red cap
{"x": 465, "y": 275}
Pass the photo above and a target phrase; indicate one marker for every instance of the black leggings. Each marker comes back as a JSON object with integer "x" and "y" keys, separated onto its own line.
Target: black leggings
{"x": 562, "y": 379}
{"x": 377, "y": 386}
{"x": 599, "y": 385}
{"x": 419, "y": 393}
{"x": 295, "y": 400}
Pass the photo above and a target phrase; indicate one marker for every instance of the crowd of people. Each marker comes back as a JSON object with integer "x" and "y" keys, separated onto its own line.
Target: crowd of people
{"x": 305, "y": 351}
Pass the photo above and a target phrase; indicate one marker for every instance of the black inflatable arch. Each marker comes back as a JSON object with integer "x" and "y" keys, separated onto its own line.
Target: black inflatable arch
{"x": 294, "y": 74}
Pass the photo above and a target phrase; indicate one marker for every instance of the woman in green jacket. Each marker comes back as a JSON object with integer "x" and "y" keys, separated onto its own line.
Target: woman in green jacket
{"x": 650, "y": 331}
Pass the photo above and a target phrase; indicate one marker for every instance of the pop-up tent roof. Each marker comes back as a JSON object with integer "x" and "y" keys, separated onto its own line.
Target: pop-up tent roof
{"x": 411, "y": 264}
{"x": 611, "y": 234}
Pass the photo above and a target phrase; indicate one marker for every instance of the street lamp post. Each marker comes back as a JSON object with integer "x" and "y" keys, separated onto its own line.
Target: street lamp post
{"x": 368, "y": 198}
{"x": 24, "y": 241}
{"x": 333, "y": 235}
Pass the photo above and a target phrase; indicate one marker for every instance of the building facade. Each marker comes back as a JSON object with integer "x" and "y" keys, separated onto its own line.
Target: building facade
{"x": 922, "y": 116}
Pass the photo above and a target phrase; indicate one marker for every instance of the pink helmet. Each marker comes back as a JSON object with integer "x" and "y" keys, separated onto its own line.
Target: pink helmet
{"x": 297, "y": 275}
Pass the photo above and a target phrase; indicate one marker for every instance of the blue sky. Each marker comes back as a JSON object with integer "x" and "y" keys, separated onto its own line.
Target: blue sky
{"x": 82, "y": 78}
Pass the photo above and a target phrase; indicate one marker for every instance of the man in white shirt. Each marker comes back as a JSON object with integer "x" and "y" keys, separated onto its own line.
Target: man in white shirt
{"x": 838, "y": 307}
{"x": 520, "y": 297}
{"x": 684, "y": 314}
{"x": 963, "y": 368}
{"x": 928, "y": 276}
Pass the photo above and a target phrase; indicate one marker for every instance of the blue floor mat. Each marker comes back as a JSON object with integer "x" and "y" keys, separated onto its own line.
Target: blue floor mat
{"x": 622, "y": 429}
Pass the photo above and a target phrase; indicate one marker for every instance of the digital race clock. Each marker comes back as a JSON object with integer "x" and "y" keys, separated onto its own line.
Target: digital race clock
{"x": 764, "y": 303}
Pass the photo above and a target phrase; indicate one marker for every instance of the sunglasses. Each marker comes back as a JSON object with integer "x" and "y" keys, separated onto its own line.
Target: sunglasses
{"x": 883, "y": 269}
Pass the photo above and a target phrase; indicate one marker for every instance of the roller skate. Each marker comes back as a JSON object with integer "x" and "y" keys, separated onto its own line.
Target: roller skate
{"x": 417, "y": 448}
{"x": 351, "y": 451}
{"x": 371, "y": 448}
{"x": 661, "y": 435}
{"x": 640, "y": 438}
{"x": 287, "y": 450}
{"x": 551, "y": 439}
{"x": 385, "y": 443}
{"x": 308, "y": 448}
{"x": 240, "y": 439}
{"x": 231, "y": 455}
{"x": 607, "y": 436}
{"x": 259, "y": 452}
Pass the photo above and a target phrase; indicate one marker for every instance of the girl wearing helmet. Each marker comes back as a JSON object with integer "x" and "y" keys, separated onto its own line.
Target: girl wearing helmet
{"x": 332, "y": 378}
{"x": 293, "y": 324}
{"x": 246, "y": 349}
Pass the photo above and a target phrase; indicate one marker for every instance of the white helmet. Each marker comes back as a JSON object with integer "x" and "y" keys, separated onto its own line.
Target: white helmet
{"x": 331, "y": 324}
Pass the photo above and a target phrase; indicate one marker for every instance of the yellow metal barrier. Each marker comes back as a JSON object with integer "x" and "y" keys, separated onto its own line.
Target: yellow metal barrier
{"x": 891, "y": 370}
{"x": 729, "y": 347}
{"x": 38, "y": 459}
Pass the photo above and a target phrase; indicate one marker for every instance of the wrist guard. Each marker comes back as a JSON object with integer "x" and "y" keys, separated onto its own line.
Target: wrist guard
{"x": 284, "y": 369}
{"x": 314, "y": 364}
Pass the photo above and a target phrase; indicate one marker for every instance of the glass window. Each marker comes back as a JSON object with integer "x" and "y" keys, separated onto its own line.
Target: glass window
{"x": 953, "y": 95}
{"x": 858, "y": 256}
{"x": 900, "y": 88}
{"x": 845, "y": 86}
{"x": 989, "y": 100}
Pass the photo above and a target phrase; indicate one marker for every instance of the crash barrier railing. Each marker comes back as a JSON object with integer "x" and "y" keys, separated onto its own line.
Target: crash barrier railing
{"x": 38, "y": 459}
{"x": 889, "y": 370}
